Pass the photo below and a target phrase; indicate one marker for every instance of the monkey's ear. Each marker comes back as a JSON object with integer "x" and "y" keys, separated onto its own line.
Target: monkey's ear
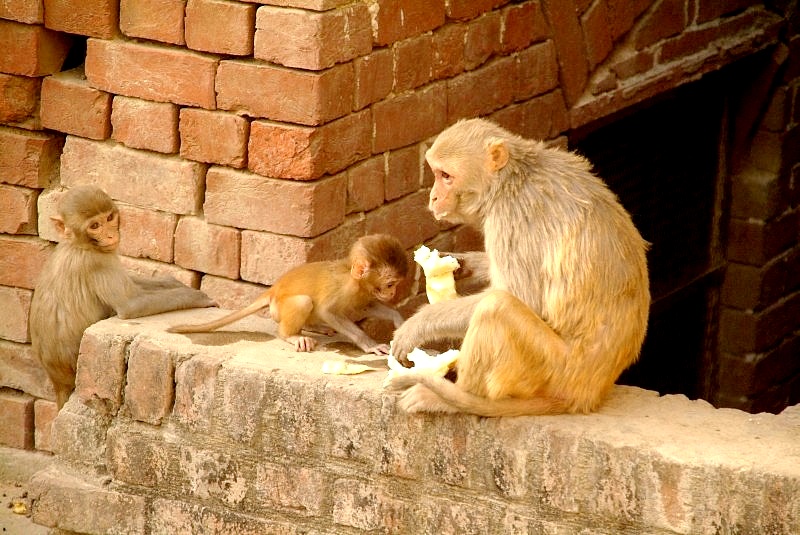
{"x": 497, "y": 155}
{"x": 61, "y": 228}
{"x": 359, "y": 268}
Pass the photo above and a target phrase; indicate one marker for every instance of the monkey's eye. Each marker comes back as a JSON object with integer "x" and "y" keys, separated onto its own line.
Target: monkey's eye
{"x": 94, "y": 226}
{"x": 447, "y": 178}
{"x": 111, "y": 216}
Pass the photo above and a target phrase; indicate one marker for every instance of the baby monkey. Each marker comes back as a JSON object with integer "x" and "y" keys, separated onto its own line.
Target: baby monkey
{"x": 337, "y": 293}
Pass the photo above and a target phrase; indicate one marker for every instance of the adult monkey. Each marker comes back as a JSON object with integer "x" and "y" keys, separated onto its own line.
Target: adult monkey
{"x": 567, "y": 305}
{"x": 84, "y": 282}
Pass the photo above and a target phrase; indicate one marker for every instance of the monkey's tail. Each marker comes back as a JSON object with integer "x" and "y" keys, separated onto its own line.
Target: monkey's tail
{"x": 252, "y": 308}
{"x": 466, "y": 402}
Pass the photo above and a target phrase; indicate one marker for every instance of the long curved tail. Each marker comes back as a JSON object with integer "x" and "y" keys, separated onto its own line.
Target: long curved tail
{"x": 252, "y": 308}
{"x": 462, "y": 401}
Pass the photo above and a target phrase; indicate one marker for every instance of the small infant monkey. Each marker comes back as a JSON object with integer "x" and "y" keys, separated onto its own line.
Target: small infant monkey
{"x": 336, "y": 293}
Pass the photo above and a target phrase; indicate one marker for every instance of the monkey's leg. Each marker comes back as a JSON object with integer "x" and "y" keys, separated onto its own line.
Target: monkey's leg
{"x": 508, "y": 351}
{"x": 293, "y": 312}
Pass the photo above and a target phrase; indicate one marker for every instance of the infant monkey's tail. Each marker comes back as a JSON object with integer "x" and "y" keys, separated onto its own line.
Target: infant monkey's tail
{"x": 255, "y": 306}
{"x": 469, "y": 403}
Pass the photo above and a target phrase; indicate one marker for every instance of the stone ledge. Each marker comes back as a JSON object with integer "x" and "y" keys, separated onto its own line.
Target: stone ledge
{"x": 173, "y": 432}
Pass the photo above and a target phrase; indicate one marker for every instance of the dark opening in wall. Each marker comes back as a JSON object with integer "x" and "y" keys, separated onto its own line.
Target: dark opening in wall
{"x": 663, "y": 161}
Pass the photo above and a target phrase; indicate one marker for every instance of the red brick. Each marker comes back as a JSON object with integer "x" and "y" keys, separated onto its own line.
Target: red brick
{"x": 228, "y": 294}
{"x": 19, "y": 97}
{"x": 149, "y": 391}
{"x": 483, "y": 90}
{"x": 755, "y": 287}
{"x": 412, "y": 62}
{"x": 635, "y": 64}
{"x": 17, "y": 210}
{"x": 571, "y": 58}
{"x": 407, "y": 218}
{"x": 151, "y": 72}
{"x": 310, "y": 40}
{"x": 396, "y": 20}
{"x": 403, "y": 172}
{"x": 289, "y": 151}
{"x": 758, "y": 194}
{"x": 16, "y": 419}
{"x": 72, "y": 106}
{"x": 409, "y": 118}
{"x": 195, "y": 387}
{"x": 207, "y": 248}
{"x": 755, "y": 242}
{"x": 220, "y": 26}
{"x": 373, "y": 77}
{"x": 31, "y": 50}
{"x": 713, "y": 10}
{"x": 21, "y": 260}
{"x": 100, "y": 376}
{"x": 304, "y": 97}
{"x": 214, "y": 137}
{"x": 291, "y": 488}
{"x": 72, "y": 504}
{"x": 146, "y": 233}
{"x": 159, "y": 20}
{"x": 265, "y": 257}
{"x": 142, "y": 178}
{"x": 15, "y": 304}
{"x": 743, "y": 332}
{"x": 448, "y": 51}
{"x": 523, "y": 24}
{"x": 95, "y": 18}
{"x": 537, "y": 71}
{"x": 469, "y": 9}
{"x": 143, "y": 124}
{"x": 248, "y": 201}
{"x": 543, "y": 117}
{"x": 752, "y": 374}
{"x": 668, "y": 19}
{"x": 44, "y": 413}
{"x": 365, "y": 184}
{"x": 596, "y": 33}
{"x": 482, "y": 39}
{"x": 622, "y": 14}
{"x": 26, "y": 11}
{"x": 20, "y": 370}
{"x": 170, "y": 516}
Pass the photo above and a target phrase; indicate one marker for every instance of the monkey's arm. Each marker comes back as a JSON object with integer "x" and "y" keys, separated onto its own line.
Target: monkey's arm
{"x": 149, "y": 302}
{"x": 445, "y": 319}
{"x": 353, "y": 332}
{"x": 157, "y": 283}
{"x": 384, "y": 312}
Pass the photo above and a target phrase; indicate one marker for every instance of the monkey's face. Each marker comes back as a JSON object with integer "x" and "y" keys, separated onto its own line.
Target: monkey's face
{"x": 102, "y": 231}
{"x": 384, "y": 285}
{"x": 443, "y": 201}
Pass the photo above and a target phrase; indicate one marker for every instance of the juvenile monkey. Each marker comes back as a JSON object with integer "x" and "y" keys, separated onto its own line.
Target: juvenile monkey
{"x": 568, "y": 299}
{"x": 336, "y": 293}
{"x": 84, "y": 282}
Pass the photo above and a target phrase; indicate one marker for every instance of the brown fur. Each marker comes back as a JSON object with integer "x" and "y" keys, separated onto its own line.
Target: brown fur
{"x": 567, "y": 307}
{"x": 84, "y": 282}
{"x": 335, "y": 293}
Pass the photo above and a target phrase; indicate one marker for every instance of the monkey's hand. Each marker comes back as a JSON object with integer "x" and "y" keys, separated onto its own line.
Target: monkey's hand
{"x": 380, "y": 349}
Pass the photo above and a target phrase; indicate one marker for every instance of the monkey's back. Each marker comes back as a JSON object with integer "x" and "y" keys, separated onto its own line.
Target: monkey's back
{"x": 581, "y": 265}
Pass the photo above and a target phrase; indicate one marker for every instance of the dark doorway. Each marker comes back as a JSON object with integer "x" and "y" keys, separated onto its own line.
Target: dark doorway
{"x": 663, "y": 161}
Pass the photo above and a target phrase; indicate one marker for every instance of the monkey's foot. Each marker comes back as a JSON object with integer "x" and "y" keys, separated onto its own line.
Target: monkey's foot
{"x": 420, "y": 398}
{"x": 400, "y": 381}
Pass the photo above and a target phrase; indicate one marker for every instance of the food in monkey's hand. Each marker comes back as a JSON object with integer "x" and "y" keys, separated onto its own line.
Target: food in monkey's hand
{"x": 424, "y": 363}
{"x": 440, "y": 284}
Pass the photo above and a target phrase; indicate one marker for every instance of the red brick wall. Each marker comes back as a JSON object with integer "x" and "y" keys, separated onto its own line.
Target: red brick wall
{"x": 241, "y": 138}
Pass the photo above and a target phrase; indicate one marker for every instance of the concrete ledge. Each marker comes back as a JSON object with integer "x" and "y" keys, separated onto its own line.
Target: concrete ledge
{"x": 175, "y": 433}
